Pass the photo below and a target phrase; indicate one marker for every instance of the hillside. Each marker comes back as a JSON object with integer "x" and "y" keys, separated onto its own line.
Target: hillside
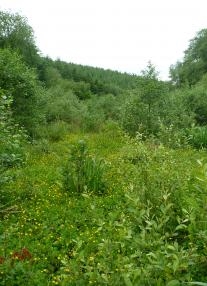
{"x": 102, "y": 174}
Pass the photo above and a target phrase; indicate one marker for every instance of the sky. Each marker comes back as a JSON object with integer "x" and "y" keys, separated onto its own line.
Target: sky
{"x": 121, "y": 35}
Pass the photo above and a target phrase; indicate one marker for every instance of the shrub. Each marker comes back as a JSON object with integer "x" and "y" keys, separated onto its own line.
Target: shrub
{"x": 20, "y": 82}
{"x": 12, "y": 139}
{"x": 84, "y": 173}
{"x": 93, "y": 121}
{"x": 172, "y": 137}
{"x": 53, "y": 131}
{"x": 60, "y": 104}
{"x": 57, "y": 130}
{"x": 137, "y": 118}
{"x": 11, "y": 135}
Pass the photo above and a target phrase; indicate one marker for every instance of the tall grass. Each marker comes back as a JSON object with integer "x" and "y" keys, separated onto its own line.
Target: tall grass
{"x": 197, "y": 136}
{"x": 84, "y": 173}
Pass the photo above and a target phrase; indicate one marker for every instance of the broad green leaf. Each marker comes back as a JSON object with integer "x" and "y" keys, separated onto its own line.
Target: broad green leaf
{"x": 173, "y": 283}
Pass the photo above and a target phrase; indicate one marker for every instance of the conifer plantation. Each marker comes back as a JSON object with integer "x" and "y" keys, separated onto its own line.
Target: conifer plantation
{"x": 103, "y": 175}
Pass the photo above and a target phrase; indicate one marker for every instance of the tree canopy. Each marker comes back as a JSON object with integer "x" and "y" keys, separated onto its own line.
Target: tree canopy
{"x": 194, "y": 64}
{"x": 16, "y": 34}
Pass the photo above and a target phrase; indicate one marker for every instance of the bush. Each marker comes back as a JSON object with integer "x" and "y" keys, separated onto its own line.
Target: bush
{"x": 20, "y": 82}
{"x": 63, "y": 105}
{"x": 137, "y": 118}
{"x": 171, "y": 136}
{"x": 93, "y": 121}
{"x": 11, "y": 136}
{"x": 12, "y": 139}
{"x": 53, "y": 131}
{"x": 84, "y": 173}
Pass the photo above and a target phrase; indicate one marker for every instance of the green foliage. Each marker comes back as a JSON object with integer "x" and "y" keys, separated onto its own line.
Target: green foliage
{"x": 101, "y": 81}
{"x": 144, "y": 108}
{"x": 61, "y": 104}
{"x": 148, "y": 229}
{"x": 151, "y": 88}
{"x": 16, "y": 34}
{"x": 137, "y": 118}
{"x": 53, "y": 131}
{"x": 195, "y": 100}
{"x": 93, "y": 121}
{"x": 82, "y": 90}
{"x": 197, "y": 136}
{"x": 194, "y": 65}
{"x": 11, "y": 135}
{"x": 175, "y": 112}
{"x": 150, "y": 72}
{"x": 140, "y": 222}
{"x": 12, "y": 141}
{"x": 165, "y": 117}
{"x": 20, "y": 82}
{"x": 197, "y": 283}
{"x": 83, "y": 173}
{"x": 49, "y": 75}
{"x": 107, "y": 107}
{"x": 171, "y": 136}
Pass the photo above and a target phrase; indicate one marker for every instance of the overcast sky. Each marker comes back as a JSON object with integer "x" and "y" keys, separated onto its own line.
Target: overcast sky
{"x": 116, "y": 34}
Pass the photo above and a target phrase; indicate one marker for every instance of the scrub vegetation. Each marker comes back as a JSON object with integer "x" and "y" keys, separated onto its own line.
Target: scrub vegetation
{"x": 103, "y": 175}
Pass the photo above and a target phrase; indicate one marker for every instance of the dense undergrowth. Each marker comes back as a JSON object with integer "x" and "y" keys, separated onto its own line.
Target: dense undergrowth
{"x": 148, "y": 228}
{"x": 103, "y": 175}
